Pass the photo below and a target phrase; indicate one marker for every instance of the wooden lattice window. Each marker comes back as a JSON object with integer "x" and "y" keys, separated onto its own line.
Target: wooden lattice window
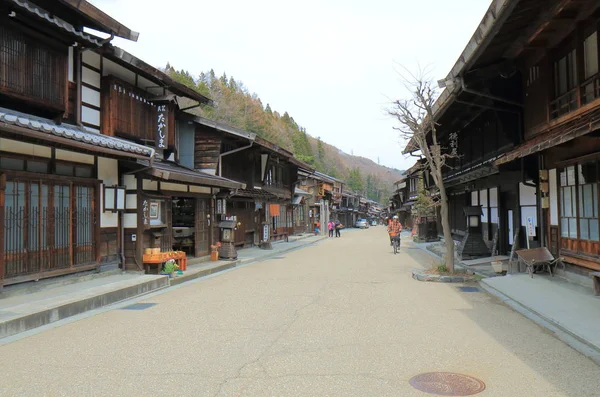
{"x": 32, "y": 70}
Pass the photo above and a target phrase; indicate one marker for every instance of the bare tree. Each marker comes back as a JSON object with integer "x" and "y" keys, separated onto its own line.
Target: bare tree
{"x": 417, "y": 125}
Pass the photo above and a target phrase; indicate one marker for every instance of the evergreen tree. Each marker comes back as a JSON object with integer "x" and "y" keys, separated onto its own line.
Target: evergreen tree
{"x": 355, "y": 181}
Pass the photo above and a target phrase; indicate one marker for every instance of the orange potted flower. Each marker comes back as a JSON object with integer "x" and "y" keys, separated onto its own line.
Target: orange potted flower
{"x": 214, "y": 254}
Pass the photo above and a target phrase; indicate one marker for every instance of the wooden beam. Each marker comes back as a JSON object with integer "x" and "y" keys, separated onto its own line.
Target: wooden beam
{"x": 535, "y": 28}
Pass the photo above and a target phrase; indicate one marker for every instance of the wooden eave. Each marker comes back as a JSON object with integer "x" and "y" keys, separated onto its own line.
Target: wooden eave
{"x": 99, "y": 20}
{"x": 511, "y": 29}
{"x": 136, "y": 65}
{"x": 573, "y": 125}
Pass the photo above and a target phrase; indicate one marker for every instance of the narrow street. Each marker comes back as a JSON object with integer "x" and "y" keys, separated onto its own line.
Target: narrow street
{"x": 339, "y": 318}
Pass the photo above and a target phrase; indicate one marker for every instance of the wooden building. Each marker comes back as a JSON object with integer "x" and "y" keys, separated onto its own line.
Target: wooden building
{"x": 91, "y": 148}
{"x": 52, "y": 166}
{"x": 520, "y": 111}
{"x": 264, "y": 209}
{"x": 560, "y": 79}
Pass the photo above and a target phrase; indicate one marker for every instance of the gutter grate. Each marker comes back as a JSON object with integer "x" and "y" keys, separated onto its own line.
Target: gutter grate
{"x": 139, "y": 306}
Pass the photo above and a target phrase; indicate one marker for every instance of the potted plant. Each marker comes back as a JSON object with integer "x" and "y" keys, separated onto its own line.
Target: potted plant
{"x": 214, "y": 254}
{"x": 170, "y": 267}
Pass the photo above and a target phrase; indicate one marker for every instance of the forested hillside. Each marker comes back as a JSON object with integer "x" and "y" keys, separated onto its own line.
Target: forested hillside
{"x": 233, "y": 104}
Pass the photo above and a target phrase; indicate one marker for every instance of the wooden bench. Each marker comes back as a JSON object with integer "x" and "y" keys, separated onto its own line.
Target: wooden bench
{"x": 538, "y": 257}
{"x": 596, "y": 278}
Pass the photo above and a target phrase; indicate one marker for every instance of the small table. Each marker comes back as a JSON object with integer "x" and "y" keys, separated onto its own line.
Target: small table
{"x": 159, "y": 259}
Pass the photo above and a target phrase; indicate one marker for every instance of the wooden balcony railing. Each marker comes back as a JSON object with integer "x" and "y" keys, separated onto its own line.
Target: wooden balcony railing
{"x": 590, "y": 89}
{"x": 579, "y": 96}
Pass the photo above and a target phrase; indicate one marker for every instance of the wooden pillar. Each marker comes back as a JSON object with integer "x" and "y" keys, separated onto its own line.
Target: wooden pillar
{"x": 97, "y": 216}
{"x": 2, "y": 203}
{"x": 139, "y": 244}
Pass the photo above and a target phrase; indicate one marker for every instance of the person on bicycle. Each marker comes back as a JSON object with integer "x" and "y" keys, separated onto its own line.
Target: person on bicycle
{"x": 394, "y": 229}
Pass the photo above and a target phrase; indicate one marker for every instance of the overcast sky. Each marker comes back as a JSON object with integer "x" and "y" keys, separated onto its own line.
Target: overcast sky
{"x": 331, "y": 64}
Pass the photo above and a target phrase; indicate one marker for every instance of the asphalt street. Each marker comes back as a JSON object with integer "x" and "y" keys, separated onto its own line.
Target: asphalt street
{"x": 339, "y": 318}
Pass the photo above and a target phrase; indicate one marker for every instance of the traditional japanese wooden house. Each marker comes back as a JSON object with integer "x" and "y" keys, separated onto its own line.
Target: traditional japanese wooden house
{"x": 480, "y": 117}
{"x": 348, "y": 213}
{"x": 51, "y": 165}
{"x": 89, "y": 145}
{"x": 300, "y": 204}
{"x": 557, "y": 57}
{"x": 264, "y": 209}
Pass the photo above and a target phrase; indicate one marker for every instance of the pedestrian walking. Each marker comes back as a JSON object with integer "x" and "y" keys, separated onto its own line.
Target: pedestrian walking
{"x": 317, "y": 228}
{"x": 330, "y": 227}
{"x": 338, "y": 227}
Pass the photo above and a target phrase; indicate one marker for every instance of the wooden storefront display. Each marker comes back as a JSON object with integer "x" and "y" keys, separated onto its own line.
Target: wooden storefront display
{"x": 162, "y": 257}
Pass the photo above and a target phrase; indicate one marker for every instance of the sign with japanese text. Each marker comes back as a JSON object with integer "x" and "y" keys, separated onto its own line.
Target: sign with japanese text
{"x": 162, "y": 130}
{"x": 530, "y": 227}
{"x": 146, "y": 212}
{"x": 454, "y": 143}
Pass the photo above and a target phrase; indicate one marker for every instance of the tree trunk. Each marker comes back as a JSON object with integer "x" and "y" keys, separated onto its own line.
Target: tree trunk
{"x": 448, "y": 241}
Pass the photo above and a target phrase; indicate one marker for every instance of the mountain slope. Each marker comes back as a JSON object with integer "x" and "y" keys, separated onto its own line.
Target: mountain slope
{"x": 233, "y": 104}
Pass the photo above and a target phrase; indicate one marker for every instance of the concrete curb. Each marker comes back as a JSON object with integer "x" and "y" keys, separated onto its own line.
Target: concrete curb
{"x": 457, "y": 262}
{"x": 96, "y": 298}
{"x": 578, "y": 343}
{"x": 418, "y": 274}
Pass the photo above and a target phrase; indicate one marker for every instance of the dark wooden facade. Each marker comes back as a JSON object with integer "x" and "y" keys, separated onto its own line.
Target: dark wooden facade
{"x": 268, "y": 172}
{"x": 561, "y": 84}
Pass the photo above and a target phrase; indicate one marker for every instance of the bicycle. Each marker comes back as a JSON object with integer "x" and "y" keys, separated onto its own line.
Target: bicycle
{"x": 396, "y": 244}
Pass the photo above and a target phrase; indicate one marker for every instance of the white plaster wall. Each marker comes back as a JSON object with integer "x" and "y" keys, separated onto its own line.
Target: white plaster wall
{"x": 553, "y": 197}
{"x": 74, "y": 156}
{"x": 130, "y": 221}
{"x": 483, "y": 197}
{"x": 8, "y": 145}
{"x": 90, "y": 96}
{"x": 210, "y": 171}
{"x": 173, "y": 186}
{"x": 474, "y": 198}
{"x": 199, "y": 189}
{"x": 493, "y": 197}
{"x": 150, "y": 185}
{"x": 130, "y": 183}
{"x": 89, "y": 115}
{"x": 526, "y": 195}
{"x": 108, "y": 173}
{"x": 90, "y": 77}
{"x": 91, "y": 58}
{"x": 131, "y": 201}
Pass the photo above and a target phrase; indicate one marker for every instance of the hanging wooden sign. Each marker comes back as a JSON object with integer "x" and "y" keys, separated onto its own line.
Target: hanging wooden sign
{"x": 162, "y": 128}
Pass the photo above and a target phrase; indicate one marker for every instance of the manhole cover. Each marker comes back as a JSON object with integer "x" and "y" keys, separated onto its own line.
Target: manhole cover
{"x": 138, "y": 306}
{"x": 447, "y": 384}
{"x": 469, "y": 289}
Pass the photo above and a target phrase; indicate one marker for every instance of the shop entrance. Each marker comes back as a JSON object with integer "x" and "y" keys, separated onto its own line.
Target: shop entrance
{"x": 190, "y": 226}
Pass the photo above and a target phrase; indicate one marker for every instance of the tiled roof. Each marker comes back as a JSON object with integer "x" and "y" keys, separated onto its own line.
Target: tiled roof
{"x": 173, "y": 172}
{"x": 255, "y": 193}
{"x": 45, "y": 15}
{"x": 71, "y": 132}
